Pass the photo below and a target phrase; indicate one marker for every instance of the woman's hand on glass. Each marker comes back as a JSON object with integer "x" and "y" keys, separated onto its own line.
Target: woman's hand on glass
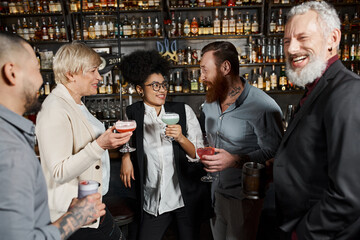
{"x": 127, "y": 170}
{"x": 111, "y": 140}
{"x": 175, "y": 132}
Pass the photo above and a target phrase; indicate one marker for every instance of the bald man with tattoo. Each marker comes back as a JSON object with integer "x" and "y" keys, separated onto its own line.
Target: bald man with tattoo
{"x": 24, "y": 212}
{"x": 247, "y": 126}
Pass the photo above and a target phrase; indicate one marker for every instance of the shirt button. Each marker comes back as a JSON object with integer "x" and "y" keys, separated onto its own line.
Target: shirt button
{"x": 97, "y": 167}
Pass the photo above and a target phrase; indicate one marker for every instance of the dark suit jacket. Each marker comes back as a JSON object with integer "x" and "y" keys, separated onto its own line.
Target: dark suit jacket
{"x": 196, "y": 194}
{"x": 317, "y": 166}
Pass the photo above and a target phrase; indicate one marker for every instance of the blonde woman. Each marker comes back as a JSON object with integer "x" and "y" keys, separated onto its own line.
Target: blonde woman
{"x": 72, "y": 143}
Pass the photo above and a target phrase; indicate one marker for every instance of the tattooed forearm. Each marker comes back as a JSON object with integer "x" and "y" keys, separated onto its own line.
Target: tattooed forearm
{"x": 234, "y": 91}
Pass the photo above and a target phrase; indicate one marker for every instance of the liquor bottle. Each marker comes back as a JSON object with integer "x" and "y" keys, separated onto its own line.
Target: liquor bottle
{"x": 247, "y": 24}
{"x": 353, "y": 48}
{"x": 259, "y": 50}
{"x": 239, "y": 26}
{"x": 142, "y": 27}
{"x": 171, "y": 83}
{"x": 97, "y": 5}
{"x": 102, "y": 86}
{"x": 201, "y": 85}
{"x": 217, "y": 3}
{"x": 103, "y": 5}
{"x": 111, "y": 28}
{"x": 151, "y": 4}
{"x": 63, "y": 31}
{"x": 268, "y": 50}
{"x": 209, "y": 26}
{"x": 47, "y": 85}
{"x": 254, "y": 25}
{"x": 232, "y": 23}
{"x": 173, "y": 25}
{"x": 25, "y": 28}
{"x": 254, "y": 78}
{"x": 345, "y": 26}
{"x": 178, "y": 83}
{"x": 280, "y": 27}
{"x": 267, "y": 82}
{"x": 52, "y": 6}
{"x": 225, "y": 23}
{"x": 217, "y": 23}
{"x": 77, "y": 35}
{"x": 97, "y": 27}
{"x": 202, "y": 29}
{"x": 51, "y": 30}
{"x": 73, "y": 6}
{"x": 157, "y": 27}
{"x": 111, "y": 4}
{"x": 355, "y": 23}
{"x": 201, "y": 3}
{"x": 345, "y": 49}
{"x": 19, "y": 7}
{"x": 85, "y": 31}
{"x": 283, "y": 82}
{"x": 238, "y": 2}
{"x": 104, "y": 27}
{"x": 274, "y": 52}
{"x": 186, "y": 27}
{"x": 194, "y": 27}
{"x": 186, "y": 82}
{"x": 109, "y": 86}
{"x": 92, "y": 34}
{"x": 126, "y": 27}
{"x": 273, "y": 78}
{"x": 31, "y": 31}
{"x": 194, "y": 84}
{"x": 38, "y": 7}
{"x": 31, "y": 6}
{"x": 260, "y": 80}
{"x": 19, "y": 30}
{"x": 209, "y": 3}
{"x": 44, "y": 30}
{"x": 272, "y": 25}
{"x": 231, "y": 3}
{"x": 45, "y": 6}
{"x": 26, "y": 6}
{"x": 57, "y": 34}
{"x": 150, "y": 31}
{"x": 179, "y": 26}
{"x": 12, "y": 7}
{"x": 90, "y": 5}
{"x": 246, "y": 2}
{"x": 281, "y": 54}
{"x": 134, "y": 28}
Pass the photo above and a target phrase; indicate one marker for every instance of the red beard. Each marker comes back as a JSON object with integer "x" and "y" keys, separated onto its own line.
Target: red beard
{"x": 217, "y": 89}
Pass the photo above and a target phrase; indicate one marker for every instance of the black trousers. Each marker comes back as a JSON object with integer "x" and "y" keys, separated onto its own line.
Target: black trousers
{"x": 107, "y": 230}
{"x": 154, "y": 227}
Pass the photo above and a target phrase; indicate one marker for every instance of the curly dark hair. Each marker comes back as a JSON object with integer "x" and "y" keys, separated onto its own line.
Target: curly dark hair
{"x": 139, "y": 65}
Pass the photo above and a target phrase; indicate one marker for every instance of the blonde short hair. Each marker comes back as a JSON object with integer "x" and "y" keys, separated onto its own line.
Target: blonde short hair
{"x": 72, "y": 58}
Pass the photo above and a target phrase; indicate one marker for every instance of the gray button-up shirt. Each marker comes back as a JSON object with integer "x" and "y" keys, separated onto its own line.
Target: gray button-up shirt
{"x": 251, "y": 126}
{"x": 24, "y": 212}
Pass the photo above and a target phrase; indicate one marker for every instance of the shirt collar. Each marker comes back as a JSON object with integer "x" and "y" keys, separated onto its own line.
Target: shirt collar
{"x": 17, "y": 121}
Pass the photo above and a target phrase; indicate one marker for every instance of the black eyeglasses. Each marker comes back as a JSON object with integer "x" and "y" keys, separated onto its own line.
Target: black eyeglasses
{"x": 156, "y": 86}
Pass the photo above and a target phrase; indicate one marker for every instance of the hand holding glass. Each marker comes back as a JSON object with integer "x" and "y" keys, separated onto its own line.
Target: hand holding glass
{"x": 207, "y": 148}
{"x": 170, "y": 118}
{"x": 126, "y": 126}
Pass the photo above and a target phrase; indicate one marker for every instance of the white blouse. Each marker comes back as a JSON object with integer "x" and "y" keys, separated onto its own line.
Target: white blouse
{"x": 99, "y": 129}
{"x": 161, "y": 185}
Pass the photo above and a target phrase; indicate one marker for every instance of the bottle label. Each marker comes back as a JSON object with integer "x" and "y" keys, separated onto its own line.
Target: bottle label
{"x": 273, "y": 80}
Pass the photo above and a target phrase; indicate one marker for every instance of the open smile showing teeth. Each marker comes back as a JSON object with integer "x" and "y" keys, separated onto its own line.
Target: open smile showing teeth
{"x": 298, "y": 59}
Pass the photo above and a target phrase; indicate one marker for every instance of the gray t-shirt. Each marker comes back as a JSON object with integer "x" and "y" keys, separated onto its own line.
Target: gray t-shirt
{"x": 24, "y": 212}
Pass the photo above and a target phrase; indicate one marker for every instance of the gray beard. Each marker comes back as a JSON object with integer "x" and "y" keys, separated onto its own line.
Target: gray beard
{"x": 313, "y": 70}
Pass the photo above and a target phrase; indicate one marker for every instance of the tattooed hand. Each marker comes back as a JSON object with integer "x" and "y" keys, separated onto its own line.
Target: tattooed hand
{"x": 81, "y": 212}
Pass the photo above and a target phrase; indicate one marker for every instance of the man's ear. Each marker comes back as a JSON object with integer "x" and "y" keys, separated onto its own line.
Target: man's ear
{"x": 9, "y": 73}
{"x": 226, "y": 67}
{"x": 334, "y": 39}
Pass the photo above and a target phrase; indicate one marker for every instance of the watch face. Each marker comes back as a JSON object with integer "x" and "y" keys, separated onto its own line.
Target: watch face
{"x": 102, "y": 64}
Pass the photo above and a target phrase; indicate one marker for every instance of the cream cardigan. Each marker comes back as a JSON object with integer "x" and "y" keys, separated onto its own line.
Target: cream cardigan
{"x": 68, "y": 150}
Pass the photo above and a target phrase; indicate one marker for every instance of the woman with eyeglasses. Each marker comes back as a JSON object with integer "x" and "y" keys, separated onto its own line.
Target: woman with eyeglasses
{"x": 165, "y": 174}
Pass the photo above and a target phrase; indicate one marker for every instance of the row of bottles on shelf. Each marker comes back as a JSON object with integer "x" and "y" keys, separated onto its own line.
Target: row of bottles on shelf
{"x": 104, "y": 109}
{"x": 38, "y": 29}
{"x": 350, "y": 24}
{"x": 101, "y": 5}
{"x": 350, "y": 47}
{"x": 186, "y": 81}
{"x": 211, "y": 3}
{"x": 220, "y": 26}
{"x": 30, "y": 6}
{"x": 301, "y": 1}
{"x": 266, "y": 81}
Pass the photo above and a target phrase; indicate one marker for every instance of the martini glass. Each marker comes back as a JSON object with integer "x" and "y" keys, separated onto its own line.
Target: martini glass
{"x": 126, "y": 126}
{"x": 170, "y": 118}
